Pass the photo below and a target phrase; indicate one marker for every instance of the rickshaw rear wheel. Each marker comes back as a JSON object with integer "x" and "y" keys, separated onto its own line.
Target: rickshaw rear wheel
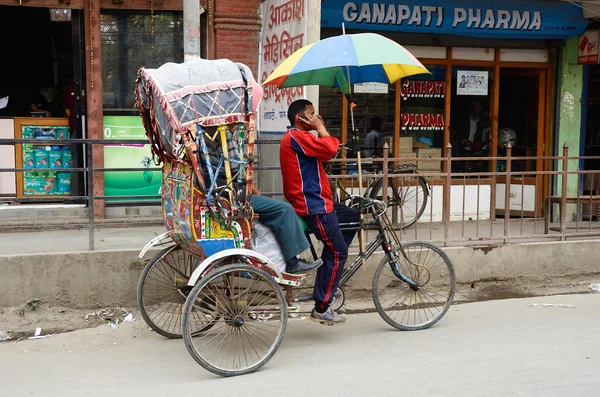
{"x": 162, "y": 291}
{"x": 254, "y": 313}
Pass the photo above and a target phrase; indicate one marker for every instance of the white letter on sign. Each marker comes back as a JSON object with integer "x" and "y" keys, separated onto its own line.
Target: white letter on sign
{"x": 365, "y": 14}
{"x": 391, "y": 15}
{"x": 489, "y": 20}
{"x": 474, "y": 18}
{"x": 403, "y": 14}
{"x": 519, "y": 22}
{"x": 378, "y": 13}
{"x": 460, "y": 15}
{"x": 428, "y": 11}
{"x": 503, "y": 19}
{"x": 536, "y": 24}
{"x": 416, "y": 17}
{"x": 350, "y": 12}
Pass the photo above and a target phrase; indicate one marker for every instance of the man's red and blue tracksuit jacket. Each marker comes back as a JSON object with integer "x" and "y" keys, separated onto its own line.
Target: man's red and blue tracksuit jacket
{"x": 306, "y": 187}
{"x": 305, "y": 183}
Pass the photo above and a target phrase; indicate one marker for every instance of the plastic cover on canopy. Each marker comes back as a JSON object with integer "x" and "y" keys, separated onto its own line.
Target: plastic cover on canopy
{"x": 175, "y": 96}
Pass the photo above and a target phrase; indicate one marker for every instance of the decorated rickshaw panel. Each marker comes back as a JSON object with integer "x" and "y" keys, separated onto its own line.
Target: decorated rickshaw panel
{"x": 191, "y": 223}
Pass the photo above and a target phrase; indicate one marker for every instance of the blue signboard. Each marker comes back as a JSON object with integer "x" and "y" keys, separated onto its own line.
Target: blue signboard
{"x": 512, "y": 19}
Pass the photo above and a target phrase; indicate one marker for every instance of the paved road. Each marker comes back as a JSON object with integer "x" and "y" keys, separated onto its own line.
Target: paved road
{"x": 496, "y": 348}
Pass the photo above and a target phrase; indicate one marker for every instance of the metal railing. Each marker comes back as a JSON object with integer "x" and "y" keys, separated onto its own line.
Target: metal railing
{"x": 88, "y": 170}
{"x": 464, "y": 208}
{"x": 509, "y": 206}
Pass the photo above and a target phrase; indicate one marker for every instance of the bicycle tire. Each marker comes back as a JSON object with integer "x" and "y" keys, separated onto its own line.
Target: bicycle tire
{"x": 415, "y": 275}
{"x": 151, "y": 272}
{"x": 375, "y": 193}
{"x": 235, "y": 305}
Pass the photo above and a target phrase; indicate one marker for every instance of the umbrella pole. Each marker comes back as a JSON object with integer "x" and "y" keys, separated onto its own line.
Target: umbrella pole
{"x": 361, "y": 236}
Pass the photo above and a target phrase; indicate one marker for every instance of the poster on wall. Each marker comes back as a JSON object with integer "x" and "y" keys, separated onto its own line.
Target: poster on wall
{"x": 128, "y": 183}
{"x": 471, "y": 82}
{"x": 588, "y": 48}
{"x": 283, "y": 33}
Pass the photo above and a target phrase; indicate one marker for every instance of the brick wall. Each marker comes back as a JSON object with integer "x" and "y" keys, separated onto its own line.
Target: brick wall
{"x": 237, "y": 31}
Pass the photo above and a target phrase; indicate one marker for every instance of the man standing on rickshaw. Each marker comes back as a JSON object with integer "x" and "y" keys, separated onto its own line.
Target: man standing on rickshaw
{"x": 306, "y": 187}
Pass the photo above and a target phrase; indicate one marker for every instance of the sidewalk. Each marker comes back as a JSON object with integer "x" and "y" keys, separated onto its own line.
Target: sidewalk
{"x": 61, "y": 241}
{"x": 131, "y": 237}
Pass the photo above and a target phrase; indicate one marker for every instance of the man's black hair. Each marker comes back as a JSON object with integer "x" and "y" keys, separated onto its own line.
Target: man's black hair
{"x": 376, "y": 123}
{"x": 297, "y": 107}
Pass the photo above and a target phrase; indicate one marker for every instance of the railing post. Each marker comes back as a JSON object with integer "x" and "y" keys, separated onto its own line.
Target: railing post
{"x": 90, "y": 194}
{"x": 447, "y": 194}
{"x": 563, "y": 198}
{"x": 507, "y": 192}
{"x": 386, "y": 155}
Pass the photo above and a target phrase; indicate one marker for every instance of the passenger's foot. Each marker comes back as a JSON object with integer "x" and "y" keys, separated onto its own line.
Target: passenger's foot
{"x": 329, "y": 317}
{"x": 303, "y": 267}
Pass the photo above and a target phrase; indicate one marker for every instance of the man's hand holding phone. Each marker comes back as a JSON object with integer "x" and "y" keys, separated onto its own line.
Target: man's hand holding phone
{"x": 314, "y": 122}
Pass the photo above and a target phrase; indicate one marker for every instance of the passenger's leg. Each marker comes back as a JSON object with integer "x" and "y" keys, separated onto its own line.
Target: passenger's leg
{"x": 280, "y": 217}
{"x": 335, "y": 252}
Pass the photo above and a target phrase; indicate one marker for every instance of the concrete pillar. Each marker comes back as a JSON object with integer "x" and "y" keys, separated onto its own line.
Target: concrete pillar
{"x": 191, "y": 29}
{"x": 93, "y": 90}
{"x": 313, "y": 34}
{"x": 571, "y": 92}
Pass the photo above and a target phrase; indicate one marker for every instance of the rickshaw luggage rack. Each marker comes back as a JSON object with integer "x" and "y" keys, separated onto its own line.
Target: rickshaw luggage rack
{"x": 229, "y": 303}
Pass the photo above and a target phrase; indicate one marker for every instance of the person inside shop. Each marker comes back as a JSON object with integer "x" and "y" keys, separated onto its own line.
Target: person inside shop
{"x": 39, "y": 107}
{"x": 68, "y": 102}
{"x": 305, "y": 186}
{"x": 471, "y": 135}
{"x": 373, "y": 140}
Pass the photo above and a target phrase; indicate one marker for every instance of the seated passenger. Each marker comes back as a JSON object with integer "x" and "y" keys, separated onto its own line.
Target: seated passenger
{"x": 281, "y": 219}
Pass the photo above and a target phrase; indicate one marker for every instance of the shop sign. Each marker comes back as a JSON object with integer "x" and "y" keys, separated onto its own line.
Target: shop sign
{"x": 128, "y": 183}
{"x": 526, "y": 19}
{"x": 422, "y": 121}
{"x": 371, "y": 88}
{"x": 471, "y": 82}
{"x": 283, "y": 33}
{"x": 423, "y": 89}
{"x": 588, "y": 48}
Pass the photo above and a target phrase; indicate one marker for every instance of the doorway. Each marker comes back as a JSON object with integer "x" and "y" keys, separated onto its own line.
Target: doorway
{"x": 43, "y": 73}
{"x": 522, "y": 123}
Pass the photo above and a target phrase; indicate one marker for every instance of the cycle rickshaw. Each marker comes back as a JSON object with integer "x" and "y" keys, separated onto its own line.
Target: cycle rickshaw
{"x": 229, "y": 303}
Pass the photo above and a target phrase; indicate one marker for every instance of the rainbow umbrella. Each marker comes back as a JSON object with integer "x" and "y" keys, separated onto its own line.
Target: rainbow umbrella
{"x": 344, "y": 60}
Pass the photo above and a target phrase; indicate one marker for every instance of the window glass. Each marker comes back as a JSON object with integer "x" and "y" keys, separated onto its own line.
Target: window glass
{"x": 128, "y": 45}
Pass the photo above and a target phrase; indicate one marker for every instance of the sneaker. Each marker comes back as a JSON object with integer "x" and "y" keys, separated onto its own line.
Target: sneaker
{"x": 329, "y": 317}
{"x": 303, "y": 267}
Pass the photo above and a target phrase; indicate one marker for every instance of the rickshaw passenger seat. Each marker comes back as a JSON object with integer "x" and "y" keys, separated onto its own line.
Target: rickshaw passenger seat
{"x": 304, "y": 225}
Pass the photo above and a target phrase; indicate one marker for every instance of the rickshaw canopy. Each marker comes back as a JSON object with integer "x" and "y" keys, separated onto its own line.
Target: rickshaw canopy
{"x": 175, "y": 97}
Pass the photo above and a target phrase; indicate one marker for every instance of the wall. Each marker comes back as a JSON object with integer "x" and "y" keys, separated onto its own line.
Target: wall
{"x": 109, "y": 278}
{"x": 571, "y": 91}
{"x": 237, "y": 30}
{"x": 268, "y": 154}
{"x": 7, "y": 158}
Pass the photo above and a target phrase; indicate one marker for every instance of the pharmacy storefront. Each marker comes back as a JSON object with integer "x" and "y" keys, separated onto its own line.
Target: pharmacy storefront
{"x": 494, "y": 68}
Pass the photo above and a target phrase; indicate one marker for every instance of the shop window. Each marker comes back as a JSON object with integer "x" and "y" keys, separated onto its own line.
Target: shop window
{"x": 423, "y": 118}
{"x": 372, "y": 101}
{"x": 470, "y": 122}
{"x": 128, "y": 44}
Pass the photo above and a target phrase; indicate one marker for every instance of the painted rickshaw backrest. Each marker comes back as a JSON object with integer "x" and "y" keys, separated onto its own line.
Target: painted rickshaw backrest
{"x": 174, "y": 99}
